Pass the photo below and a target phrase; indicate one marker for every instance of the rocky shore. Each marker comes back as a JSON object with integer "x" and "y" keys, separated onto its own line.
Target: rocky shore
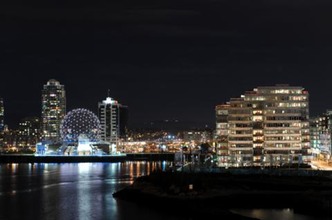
{"x": 212, "y": 194}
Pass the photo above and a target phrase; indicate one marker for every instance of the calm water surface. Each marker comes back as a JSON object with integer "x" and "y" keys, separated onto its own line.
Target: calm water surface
{"x": 72, "y": 191}
{"x": 84, "y": 191}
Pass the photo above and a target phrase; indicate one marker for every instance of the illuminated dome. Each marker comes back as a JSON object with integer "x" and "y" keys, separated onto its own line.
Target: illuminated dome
{"x": 80, "y": 122}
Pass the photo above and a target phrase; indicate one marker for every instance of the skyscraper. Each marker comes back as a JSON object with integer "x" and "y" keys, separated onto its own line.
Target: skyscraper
{"x": 53, "y": 110}
{"x": 113, "y": 120}
{"x": 268, "y": 126}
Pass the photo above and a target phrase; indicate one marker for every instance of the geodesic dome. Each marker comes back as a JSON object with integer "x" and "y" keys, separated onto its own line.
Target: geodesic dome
{"x": 80, "y": 122}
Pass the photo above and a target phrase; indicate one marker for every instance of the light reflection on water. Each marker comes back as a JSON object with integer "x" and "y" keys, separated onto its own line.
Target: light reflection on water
{"x": 72, "y": 190}
{"x": 84, "y": 191}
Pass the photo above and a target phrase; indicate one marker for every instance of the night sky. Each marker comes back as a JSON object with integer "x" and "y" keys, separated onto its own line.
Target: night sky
{"x": 164, "y": 59}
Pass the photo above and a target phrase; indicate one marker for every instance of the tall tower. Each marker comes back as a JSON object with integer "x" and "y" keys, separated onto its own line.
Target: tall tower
{"x": 2, "y": 113}
{"x": 53, "y": 110}
{"x": 113, "y": 120}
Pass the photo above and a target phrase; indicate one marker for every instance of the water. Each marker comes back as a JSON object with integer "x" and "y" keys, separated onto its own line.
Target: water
{"x": 276, "y": 214}
{"x": 72, "y": 191}
{"x": 84, "y": 191}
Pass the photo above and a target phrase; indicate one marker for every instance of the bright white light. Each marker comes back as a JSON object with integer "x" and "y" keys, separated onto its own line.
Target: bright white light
{"x": 109, "y": 100}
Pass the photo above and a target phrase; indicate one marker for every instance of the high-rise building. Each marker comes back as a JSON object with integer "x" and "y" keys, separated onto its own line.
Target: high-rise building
{"x": 113, "y": 120}
{"x": 2, "y": 113}
{"x": 222, "y": 132}
{"x": 53, "y": 110}
{"x": 269, "y": 126}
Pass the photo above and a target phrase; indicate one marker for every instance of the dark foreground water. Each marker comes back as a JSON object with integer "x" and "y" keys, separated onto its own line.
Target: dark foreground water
{"x": 84, "y": 191}
{"x": 276, "y": 214}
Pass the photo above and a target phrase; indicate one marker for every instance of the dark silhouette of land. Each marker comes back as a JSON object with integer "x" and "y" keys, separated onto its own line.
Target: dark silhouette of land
{"x": 213, "y": 194}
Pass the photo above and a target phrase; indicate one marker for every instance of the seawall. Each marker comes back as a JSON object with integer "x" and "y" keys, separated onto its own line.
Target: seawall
{"x": 89, "y": 159}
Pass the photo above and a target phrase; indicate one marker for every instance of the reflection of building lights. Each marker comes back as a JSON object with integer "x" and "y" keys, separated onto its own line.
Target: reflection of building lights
{"x": 83, "y": 167}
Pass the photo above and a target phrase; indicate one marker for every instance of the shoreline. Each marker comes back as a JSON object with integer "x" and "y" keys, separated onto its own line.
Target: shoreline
{"x": 17, "y": 158}
{"x": 216, "y": 194}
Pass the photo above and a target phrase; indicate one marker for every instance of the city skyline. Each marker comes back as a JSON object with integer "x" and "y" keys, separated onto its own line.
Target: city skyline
{"x": 164, "y": 60}
{"x": 167, "y": 109}
{"x": 144, "y": 125}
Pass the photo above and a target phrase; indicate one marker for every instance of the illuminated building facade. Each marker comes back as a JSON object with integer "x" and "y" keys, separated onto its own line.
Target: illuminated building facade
{"x": 53, "y": 110}
{"x": 113, "y": 120}
{"x": 320, "y": 135}
{"x": 29, "y": 132}
{"x": 222, "y": 132}
{"x": 269, "y": 126}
